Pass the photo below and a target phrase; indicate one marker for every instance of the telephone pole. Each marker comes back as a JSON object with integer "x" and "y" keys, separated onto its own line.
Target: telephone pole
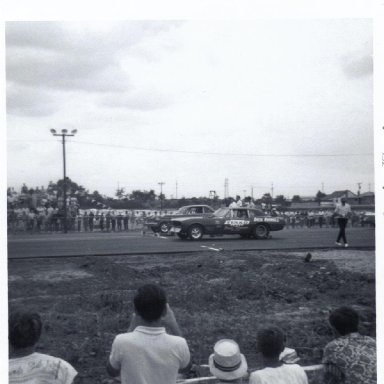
{"x": 161, "y": 183}
{"x": 64, "y": 133}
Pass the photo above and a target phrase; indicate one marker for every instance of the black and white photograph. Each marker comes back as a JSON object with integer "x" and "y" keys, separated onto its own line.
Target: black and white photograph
{"x": 191, "y": 200}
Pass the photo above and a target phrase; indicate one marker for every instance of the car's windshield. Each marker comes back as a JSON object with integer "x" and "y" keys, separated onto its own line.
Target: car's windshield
{"x": 181, "y": 211}
{"x": 221, "y": 212}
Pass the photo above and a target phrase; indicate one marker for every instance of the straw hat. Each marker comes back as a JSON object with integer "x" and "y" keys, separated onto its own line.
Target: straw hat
{"x": 227, "y": 363}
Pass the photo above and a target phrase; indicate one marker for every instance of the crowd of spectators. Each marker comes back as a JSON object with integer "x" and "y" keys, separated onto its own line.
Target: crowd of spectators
{"x": 323, "y": 218}
{"x": 37, "y": 220}
{"x": 154, "y": 351}
{"x": 52, "y": 220}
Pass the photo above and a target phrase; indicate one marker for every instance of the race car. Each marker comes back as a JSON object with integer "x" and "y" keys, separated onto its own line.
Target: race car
{"x": 162, "y": 224}
{"x": 246, "y": 222}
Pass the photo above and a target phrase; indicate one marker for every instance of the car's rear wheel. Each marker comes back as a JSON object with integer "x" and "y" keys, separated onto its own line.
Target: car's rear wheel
{"x": 182, "y": 235}
{"x": 164, "y": 228}
{"x": 261, "y": 231}
{"x": 195, "y": 232}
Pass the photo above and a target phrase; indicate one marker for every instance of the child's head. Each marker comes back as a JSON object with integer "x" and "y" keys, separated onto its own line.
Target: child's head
{"x": 150, "y": 302}
{"x": 24, "y": 329}
{"x": 345, "y": 320}
{"x": 270, "y": 342}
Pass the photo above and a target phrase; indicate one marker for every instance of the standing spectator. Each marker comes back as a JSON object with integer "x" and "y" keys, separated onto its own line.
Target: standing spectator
{"x": 132, "y": 217}
{"x": 271, "y": 344}
{"x": 311, "y": 219}
{"x": 125, "y": 221}
{"x": 321, "y": 218}
{"x": 31, "y": 220}
{"x": 79, "y": 220}
{"x": 108, "y": 221}
{"x": 327, "y": 218}
{"x": 91, "y": 218}
{"x": 40, "y": 221}
{"x": 113, "y": 221}
{"x": 147, "y": 353}
{"x": 342, "y": 212}
{"x": 227, "y": 363}
{"x": 85, "y": 221}
{"x": 293, "y": 221}
{"x": 237, "y": 203}
{"x": 28, "y": 366}
{"x": 101, "y": 222}
{"x": 350, "y": 358}
{"x": 119, "y": 220}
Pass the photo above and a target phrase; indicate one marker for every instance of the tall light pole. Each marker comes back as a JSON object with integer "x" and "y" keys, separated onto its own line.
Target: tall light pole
{"x": 161, "y": 183}
{"x": 64, "y": 133}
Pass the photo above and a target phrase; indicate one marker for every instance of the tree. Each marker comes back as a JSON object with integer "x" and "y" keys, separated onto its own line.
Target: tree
{"x": 120, "y": 193}
{"x": 296, "y": 199}
{"x": 24, "y": 189}
{"x": 143, "y": 199}
{"x": 319, "y": 196}
{"x": 267, "y": 199}
{"x": 281, "y": 200}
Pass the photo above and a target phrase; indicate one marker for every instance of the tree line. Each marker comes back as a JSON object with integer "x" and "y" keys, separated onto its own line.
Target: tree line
{"x": 136, "y": 199}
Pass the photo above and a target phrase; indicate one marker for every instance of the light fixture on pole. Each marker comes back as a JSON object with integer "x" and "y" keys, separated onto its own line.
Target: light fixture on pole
{"x": 64, "y": 133}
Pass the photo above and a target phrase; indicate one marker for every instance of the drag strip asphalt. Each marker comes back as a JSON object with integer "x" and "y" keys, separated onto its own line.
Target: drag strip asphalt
{"x": 134, "y": 243}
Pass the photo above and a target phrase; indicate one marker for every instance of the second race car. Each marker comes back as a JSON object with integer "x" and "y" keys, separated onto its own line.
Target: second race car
{"x": 162, "y": 224}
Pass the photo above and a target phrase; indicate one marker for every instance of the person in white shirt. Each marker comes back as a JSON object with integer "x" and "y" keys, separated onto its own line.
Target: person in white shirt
{"x": 271, "y": 344}
{"x": 27, "y": 366}
{"x": 342, "y": 212}
{"x": 147, "y": 354}
{"x": 237, "y": 203}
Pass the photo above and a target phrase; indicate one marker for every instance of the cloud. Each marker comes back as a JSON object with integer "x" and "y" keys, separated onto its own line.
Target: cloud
{"x": 143, "y": 100}
{"x": 58, "y": 70}
{"x": 358, "y": 66}
{"x": 24, "y": 101}
{"x": 74, "y": 56}
{"x": 45, "y": 59}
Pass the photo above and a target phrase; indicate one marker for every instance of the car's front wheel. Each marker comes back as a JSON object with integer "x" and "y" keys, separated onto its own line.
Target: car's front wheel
{"x": 164, "y": 228}
{"x": 195, "y": 232}
{"x": 261, "y": 231}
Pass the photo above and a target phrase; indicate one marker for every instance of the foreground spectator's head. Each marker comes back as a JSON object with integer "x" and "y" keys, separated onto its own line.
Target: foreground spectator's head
{"x": 226, "y": 362}
{"x": 24, "y": 329}
{"x": 344, "y": 320}
{"x": 150, "y": 302}
{"x": 271, "y": 342}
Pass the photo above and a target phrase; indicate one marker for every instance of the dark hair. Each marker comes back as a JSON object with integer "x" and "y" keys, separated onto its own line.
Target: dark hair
{"x": 270, "y": 341}
{"x": 345, "y": 320}
{"x": 150, "y": 302}
{"x": 24, "y": 329}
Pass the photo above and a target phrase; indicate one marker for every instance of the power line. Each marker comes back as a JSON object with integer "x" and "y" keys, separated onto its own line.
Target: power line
{"x": 223, "y": 153}
{"x": 210, "y": 153}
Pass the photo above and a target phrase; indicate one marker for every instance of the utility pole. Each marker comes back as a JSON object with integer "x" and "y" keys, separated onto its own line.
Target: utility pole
{"x": 272, "y": 190}
{"x": 358, "y": 191}
{"x": 252, "y": 192}
{"x": 64, "y": 133}
{"x": 161, "y": 183}
{"x": 226, "y": 184}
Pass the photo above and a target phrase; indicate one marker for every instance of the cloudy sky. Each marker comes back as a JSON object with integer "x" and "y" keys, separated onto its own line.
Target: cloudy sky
{"x": 191, "y": 103}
